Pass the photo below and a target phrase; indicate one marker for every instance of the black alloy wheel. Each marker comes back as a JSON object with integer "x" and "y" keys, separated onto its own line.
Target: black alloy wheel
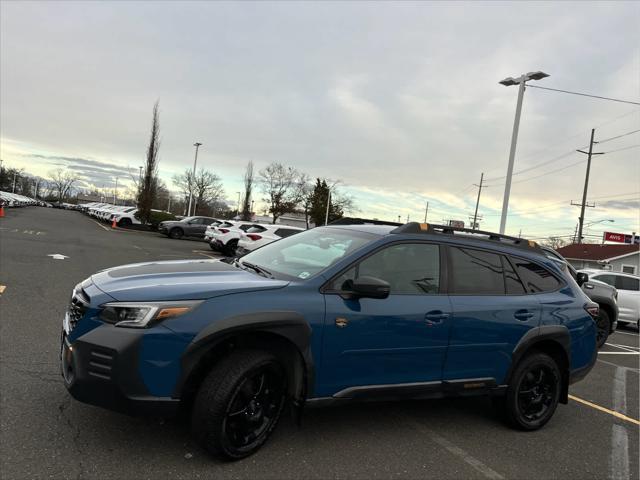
{"x": 176, "y": 233}
{"x": 254, "y": 408}
{"x": 239, "y": 404}
{"x": 603, "y": 327}
{"x": 537, "y": 392}
{"x": 534, "y": 392}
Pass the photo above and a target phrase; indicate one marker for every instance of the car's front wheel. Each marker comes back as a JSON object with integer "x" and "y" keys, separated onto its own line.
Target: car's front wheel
{"x": 176, "y": 233}
{"x": 603, "y": 327}
{"x": 534, "y": 392}
{"x": 239, "y": 404}
{"x": 125, "y": 222}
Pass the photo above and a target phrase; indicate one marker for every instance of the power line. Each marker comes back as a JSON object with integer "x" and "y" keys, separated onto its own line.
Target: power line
{"x": 623, "y": 148}
{"x": 585, "y": 95}
{"x": 618, "y": 136}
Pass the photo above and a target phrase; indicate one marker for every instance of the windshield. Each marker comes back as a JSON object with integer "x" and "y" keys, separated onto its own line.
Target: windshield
{"x": 308, "y": 253}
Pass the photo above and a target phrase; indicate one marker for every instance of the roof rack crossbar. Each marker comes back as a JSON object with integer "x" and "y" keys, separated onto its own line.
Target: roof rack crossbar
{"x": 427, "y": 228}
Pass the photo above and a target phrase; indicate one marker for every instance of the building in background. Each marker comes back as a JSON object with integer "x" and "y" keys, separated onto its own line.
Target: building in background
{"x": 615, "y": 258}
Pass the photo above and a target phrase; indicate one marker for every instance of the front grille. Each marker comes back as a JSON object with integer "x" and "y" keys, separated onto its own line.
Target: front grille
{"x": 77, "y": 307}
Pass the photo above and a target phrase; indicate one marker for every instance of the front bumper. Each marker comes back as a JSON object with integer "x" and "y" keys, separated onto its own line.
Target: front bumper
{"x": 100, "y": 368}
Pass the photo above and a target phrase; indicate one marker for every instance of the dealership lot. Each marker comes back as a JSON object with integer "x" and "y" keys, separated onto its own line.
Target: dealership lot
{"x": 45, "y": 433}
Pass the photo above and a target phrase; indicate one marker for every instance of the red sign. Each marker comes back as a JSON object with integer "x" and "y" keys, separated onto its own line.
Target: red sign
{"x": 614, "y": 237}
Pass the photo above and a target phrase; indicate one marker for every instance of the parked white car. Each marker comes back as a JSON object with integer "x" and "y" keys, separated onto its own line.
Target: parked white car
{"x": 208, "y": 233}
{"x": 628, "y": 287}
{"x": 259, "y": 235}
{"x": 226, "y": 236}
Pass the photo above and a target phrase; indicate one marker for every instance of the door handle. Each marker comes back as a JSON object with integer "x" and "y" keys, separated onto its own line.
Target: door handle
{"x": 435, "y": 317}
{"x": 523, "y": 315}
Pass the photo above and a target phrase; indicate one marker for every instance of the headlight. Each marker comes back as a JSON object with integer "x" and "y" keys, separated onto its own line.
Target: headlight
{"x": 142, "y": 315}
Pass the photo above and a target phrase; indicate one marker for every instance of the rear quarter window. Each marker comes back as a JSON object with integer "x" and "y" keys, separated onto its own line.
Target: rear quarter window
{"x": 627, "y": 283}
{"x": 536, "y": 278}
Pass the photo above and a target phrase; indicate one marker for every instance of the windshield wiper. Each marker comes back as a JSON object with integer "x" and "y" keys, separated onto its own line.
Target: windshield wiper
{"x": 256, "y": 268}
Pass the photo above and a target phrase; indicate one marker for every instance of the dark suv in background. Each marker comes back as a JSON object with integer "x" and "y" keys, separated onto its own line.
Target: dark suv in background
{"x": 604, "y": 295}
{"x": 187, "y": 227}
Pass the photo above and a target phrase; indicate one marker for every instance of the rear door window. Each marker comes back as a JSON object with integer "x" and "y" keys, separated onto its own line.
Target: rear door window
{"x": 627, "y": 283}
{"x": 512, "y": 283}
{"x": 474, "y": 272}
{"x": 535, "y": 277}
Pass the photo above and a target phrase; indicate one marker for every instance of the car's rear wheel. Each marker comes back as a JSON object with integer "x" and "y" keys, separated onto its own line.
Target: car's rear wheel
{"x": 176, "y": 233}
{"x": 125, "y": 222}
{"x": 239, "y": 404}
{"x": 603, "y": 328}
{"x": 212, "y": 247}
{"x": 534, "y": 392}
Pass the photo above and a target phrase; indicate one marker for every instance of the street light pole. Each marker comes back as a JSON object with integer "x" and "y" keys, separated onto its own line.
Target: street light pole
{"x": 114, "y": 191}
{"x": 195, "y": 162}
{"x": 326, "y": 217}
{"x": 238, "y": 206}
{"x": 521, "y": 81}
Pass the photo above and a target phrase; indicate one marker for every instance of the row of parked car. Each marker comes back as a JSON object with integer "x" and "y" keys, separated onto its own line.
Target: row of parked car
{"x": 124, "y": 215}
{"x": 11, "y": 200}
{"x": 230, "y": 237}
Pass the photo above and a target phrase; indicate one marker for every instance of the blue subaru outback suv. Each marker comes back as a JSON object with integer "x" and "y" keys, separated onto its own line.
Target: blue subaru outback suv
{"x": 331, "y": 315}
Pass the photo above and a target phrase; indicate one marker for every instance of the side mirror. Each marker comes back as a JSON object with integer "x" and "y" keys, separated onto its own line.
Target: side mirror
{"x": 582, "y": 278}
{"x": 370, "y": 287}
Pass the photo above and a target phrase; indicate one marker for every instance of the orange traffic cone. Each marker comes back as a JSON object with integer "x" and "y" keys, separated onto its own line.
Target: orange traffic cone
{"x": 1, "y": 211}
{"x": 113, "y": 223}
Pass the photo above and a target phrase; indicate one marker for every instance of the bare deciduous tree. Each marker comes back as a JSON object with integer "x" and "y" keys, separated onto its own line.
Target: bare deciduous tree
{"x": 554, "y": 242}
{"x": 61, "y": 182}
{"x": 282, "y": 187}
{"x": 206, "y": 188}
{"x": 149, "y": 181}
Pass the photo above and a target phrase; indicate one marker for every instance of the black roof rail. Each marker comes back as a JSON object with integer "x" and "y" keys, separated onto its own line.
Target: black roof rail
{"x": 362, "y": 221}
{"x": 428, "y": 228}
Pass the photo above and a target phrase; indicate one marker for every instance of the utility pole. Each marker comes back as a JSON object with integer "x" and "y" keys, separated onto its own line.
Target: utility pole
{"x": 193, "y": 179}
{"x": 15, "y": 175}
{"x": 169, "y": 206}
{"x": 426, "y": 211}
{"x": 584, "y": 204}
{"x": 475, "y": 215}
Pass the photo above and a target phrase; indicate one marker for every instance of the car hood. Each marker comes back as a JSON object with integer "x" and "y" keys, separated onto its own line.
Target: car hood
{"x": 179, "y": 280}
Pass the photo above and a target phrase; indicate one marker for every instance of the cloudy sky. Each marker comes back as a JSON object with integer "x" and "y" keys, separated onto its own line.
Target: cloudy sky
{"x": 400, "y": 101}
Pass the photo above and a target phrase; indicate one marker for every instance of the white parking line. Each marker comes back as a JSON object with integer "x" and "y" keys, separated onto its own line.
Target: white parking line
{"x": 485, "y": 470}
{"x": 618, "y": 353}
{"x": 626, "y": 348}
{"x": 619, "y": 459}
{"x": 626, "y": 333}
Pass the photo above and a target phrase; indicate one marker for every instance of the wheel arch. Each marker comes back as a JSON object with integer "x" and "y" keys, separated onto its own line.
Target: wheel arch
{"x": 287, "y": 335}
{"x": 555, "y": 341}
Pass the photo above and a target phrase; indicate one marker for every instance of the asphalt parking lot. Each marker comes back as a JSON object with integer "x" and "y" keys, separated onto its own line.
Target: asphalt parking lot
{"x": 47, "y": 434}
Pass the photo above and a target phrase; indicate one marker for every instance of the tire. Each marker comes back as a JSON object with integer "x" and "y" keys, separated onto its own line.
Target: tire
{"x": 230, "y": 248}
{"x": 532, "y": 398}
{"x": 212, "y": 247}
{"x": 239, "y": 404}
{"x": 603, "y": 328}
{"x": 176, "y": 233}
{"x": 125, "y": 222}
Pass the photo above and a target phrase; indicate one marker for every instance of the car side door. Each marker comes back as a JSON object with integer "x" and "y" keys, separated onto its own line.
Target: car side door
{"x": 491, "y": 313}
{"x": 386, "y": 344}
{"x": 628, "y": 295}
